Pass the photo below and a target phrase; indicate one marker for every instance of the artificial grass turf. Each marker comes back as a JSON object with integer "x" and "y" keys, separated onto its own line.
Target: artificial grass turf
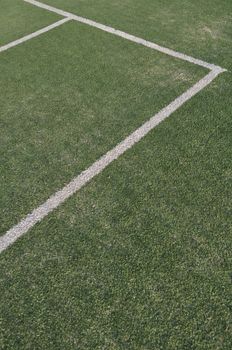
{"x": 18, "y": 18}
{"x": 140, "y": 257}
{"x": 200, "y": 28}
{"x": 68, "y": 97}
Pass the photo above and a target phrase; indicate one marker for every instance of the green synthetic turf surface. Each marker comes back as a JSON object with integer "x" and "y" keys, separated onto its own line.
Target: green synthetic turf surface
{"x": 68, "y": 97}
{"x": 201, "y": 28}
{"x": 141, "y": 257}
{"x": 17, "y": 18}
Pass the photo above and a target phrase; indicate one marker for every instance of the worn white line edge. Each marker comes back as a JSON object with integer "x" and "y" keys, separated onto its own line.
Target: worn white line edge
{"x": 98, "y": 166}
{"x": 125, "y": 35}
{"x": 33, "y": 35}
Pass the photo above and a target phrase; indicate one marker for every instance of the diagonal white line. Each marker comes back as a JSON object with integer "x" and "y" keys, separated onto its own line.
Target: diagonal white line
{"x": 125, "y": 35}
{"x": 97, "y": 167}
{"x": 33, "y": 35}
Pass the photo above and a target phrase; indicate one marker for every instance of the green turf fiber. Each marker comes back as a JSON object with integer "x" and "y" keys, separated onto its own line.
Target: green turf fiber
{"x": 17, "y": 19}
{"x": 68, "y": 97}
{"x": 201, "y": 28}
{"x": 140, "y": 258}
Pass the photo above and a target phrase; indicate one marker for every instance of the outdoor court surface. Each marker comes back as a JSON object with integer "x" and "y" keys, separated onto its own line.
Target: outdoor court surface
{"x": 115, "y": 174}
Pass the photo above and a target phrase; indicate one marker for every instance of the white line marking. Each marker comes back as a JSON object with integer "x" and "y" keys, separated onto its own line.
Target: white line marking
{"x": 97, "y": 167}
{"x": 77, "y": 183}
{"x": 33, "y": 35}
{"x": 125, "y": 35}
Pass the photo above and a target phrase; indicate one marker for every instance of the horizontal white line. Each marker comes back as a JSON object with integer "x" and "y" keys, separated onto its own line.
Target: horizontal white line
{"x": 77, "y": 183}
{"x": 33, "y": 35}
{"x": 126, "y": 36}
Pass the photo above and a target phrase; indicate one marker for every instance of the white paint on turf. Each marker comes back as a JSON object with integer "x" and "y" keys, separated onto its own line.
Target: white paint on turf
{"x": 33, "y": 35}
{"x": 125, "y": 35}
{"x": 97, "y": 167}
